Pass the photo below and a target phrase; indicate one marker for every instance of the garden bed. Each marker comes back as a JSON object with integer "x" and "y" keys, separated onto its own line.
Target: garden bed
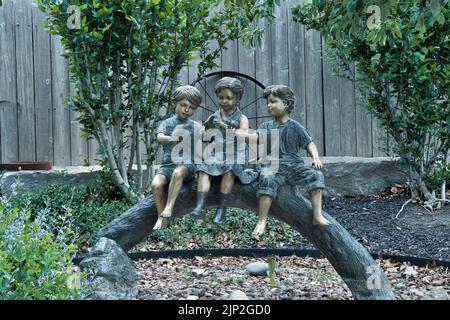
{"x": 371, "y": 220}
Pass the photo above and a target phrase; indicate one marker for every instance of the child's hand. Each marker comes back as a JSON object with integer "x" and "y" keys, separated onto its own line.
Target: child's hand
{"x": 209, "y": 123}
{"x": 317, "y": 163}
{"x": 223, "y": 125}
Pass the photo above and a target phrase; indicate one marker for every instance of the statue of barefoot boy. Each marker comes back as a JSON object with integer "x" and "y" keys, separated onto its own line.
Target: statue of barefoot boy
{"x": 293, "y": 137}
{"x": 186, "y": 100}
{"x": 229, "y": 122}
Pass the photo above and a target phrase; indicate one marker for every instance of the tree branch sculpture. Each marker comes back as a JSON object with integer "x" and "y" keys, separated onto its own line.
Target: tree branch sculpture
{"x": 349, "y": 258}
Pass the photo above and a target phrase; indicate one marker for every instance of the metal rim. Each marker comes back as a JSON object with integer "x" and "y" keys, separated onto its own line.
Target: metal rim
{"x": 230, "y": 74}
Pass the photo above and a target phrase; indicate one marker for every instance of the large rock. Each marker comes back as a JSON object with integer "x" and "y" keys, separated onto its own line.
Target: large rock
{"x": 115, "y": 277}
{"x": 359, "y": 176}
{"x": 30, "y": 180}
{"x": 343, "y": 176}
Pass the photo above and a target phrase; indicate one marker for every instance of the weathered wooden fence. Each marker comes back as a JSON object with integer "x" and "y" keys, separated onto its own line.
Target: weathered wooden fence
{"x": 36, "y": 124}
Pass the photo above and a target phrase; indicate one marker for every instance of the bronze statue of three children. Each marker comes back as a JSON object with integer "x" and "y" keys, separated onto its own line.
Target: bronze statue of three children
{"x": 228, "y": 155}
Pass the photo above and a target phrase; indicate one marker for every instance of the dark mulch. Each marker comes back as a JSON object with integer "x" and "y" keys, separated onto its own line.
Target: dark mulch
{"x": 372, "y": 221}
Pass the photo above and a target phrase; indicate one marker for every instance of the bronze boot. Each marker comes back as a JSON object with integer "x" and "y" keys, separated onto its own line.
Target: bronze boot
{"x": 222, "y": 208}
{"x": 199, "y": 210}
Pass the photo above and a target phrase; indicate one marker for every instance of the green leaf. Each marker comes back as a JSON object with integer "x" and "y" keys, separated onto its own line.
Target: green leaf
{"x": 106, "y": 28}
{"x": 436, "y": 8}
{"x": 103, "y": 11}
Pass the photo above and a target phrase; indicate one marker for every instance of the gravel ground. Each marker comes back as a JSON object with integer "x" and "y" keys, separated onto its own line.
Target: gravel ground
{"x": 208, "y": 278}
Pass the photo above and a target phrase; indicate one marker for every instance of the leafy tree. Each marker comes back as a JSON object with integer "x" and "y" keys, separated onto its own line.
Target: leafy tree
{"x": 401, "y": 52}
{"x": 124, "y": 60}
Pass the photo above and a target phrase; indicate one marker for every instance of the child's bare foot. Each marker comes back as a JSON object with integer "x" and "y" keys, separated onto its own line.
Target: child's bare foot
{"x": 320, "y": 221}
{"x": 166, "y": 213}
{"x": 158, "y": 224}
{"x": 259, "y": 229}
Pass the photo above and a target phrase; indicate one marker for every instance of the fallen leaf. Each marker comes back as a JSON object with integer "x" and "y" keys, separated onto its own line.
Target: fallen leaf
{"x": 410, "y": 272}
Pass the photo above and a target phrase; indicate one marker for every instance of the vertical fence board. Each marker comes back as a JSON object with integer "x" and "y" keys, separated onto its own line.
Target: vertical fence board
{"x": 379, "y": 138}
{"x": 347, "y": 117}
{"x": 193, "y": 75}
{"x": 297, "y": 79}
{"x": 25, "y": 85}
{"x": 280, "y": 53}
{"x": 314, "y": 101}
{"x": 78, "y": 145}
{"x": 247, "y": 66}
{"x": 363, "y": 124}
{"x": 230, "y": 56}
{"x": 42, "y": 88}
{"x": 9, "y": 144}
{"x": 61, "y": 111}
{"x": 332, "y": 108}
{"x": 264, "y": 69}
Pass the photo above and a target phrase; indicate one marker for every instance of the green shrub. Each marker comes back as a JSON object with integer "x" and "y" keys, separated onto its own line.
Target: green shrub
{"x": 89, "y": 208}
{"x": 103, "y": 186}
{"x": 35, "y": 259}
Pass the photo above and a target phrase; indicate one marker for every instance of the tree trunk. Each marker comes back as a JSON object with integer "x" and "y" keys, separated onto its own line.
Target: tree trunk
{"x": 349, "y": 258}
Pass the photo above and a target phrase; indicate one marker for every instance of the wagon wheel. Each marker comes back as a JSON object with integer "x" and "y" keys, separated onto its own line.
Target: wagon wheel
{"x": 252, "y": 103}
